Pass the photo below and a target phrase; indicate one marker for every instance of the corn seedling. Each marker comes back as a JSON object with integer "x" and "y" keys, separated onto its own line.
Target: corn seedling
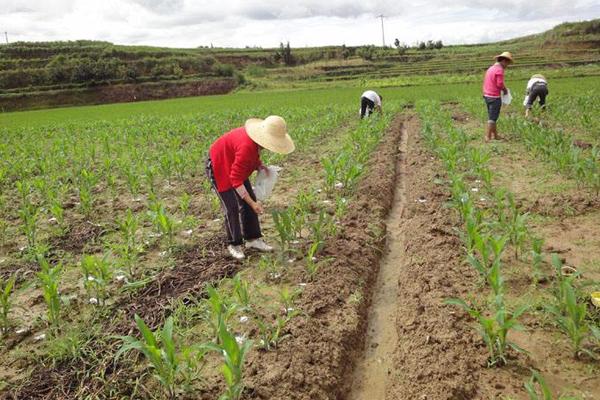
{"x": 570, "y": 315}
{"x": 163, "y": 222}
{"x": 241, "y": 292}
{"x": 184, "y": 203}
{"x": 169, "y": 364}
{"x": 288, "y": 298}
{"x": 49, "y": 278}
{"x": 494, "y": 329}
{"x": 129, "y": 249}
{"x": 285, "y": 228}
{"x": 271, "y": 333}
{"x": 29, "y": 213}
{"x": 538, "y": 380}
{"x": 232, "y": 368}
{"x": 87, "y": 181}
{"x": 312, "y": 264}
{"x": 220, "y": 310}
{"x": 97, "y": 274}
{"x": 6, "y": 290}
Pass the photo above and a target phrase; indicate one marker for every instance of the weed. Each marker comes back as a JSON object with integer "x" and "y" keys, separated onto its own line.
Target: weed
{"x": 6, "y": 290}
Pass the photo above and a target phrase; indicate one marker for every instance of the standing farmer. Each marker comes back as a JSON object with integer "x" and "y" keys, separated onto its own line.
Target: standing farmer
{"x": 232, "y": 159}
{"x": 537, "y": 87}
{"x": 493, "y": 87}
{"x": 369, "y": 101}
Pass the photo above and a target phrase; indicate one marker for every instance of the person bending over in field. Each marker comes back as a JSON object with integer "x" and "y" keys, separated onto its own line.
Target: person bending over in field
{"x": 537, "y": 87}
{"x": 493, "y": 87}
{"x": 232, "y": 159}
{"x": 369, "y": 101}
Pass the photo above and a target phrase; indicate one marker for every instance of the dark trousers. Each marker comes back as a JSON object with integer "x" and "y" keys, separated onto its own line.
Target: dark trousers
{"x": 241, "y": 222}
{"x": 539, "y": 90}
{"x": 366, "y": 107}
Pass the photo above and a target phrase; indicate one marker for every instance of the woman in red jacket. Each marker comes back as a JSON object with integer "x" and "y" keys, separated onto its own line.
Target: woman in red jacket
{"x": 232, "y": 159}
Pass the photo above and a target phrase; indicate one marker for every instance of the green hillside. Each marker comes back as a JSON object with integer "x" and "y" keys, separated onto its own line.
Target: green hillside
{"x": 43, "y": 74}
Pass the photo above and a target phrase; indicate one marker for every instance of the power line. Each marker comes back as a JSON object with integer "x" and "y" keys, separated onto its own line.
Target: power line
{"x": 382, "y": 30}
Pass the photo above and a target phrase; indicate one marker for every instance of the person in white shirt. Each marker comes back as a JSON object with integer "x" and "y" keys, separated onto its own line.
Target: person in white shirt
{"x": 369, "y": 101}
{"x": 537, "y": 87}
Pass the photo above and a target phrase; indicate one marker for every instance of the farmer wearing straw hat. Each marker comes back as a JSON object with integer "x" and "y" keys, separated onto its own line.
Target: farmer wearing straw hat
{"x": 232, "y": 159}
{"x": 493, "y": 87}
{"x": 537, "y": 87}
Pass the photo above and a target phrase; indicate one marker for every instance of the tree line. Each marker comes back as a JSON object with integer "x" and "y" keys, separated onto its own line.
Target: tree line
{"x": 63, "y": 69}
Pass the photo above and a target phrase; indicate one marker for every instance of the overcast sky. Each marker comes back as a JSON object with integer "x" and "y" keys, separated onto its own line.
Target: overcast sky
{"x": 239, "y": 23}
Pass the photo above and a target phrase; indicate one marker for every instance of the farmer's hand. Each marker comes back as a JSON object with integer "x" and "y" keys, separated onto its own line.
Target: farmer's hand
{"x": 505, "y": 91}
{"x": 264, "y": 169}
{"x": 257, "y": 207}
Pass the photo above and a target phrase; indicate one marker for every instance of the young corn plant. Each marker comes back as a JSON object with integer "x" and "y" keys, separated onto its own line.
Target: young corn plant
{"x": 516, "y": 226}
{"x": 6, "y": 290}
{"x": 169, "y": 363}
{"x": 312, "y": 264}
{"x": 284, "y": 225}
{"x": 271, "y": 333}
{"x": 570, "y": 315}
{"x": 129, "y": 249}
{"x": 28, "y": 213}
{"x": 97, "y": 274}
{"x": 537, "y": 380}
{"x": 87, "y": 181}
{"x": 219, "y": 311}
{"x": 49, "y": 278}
{"x": 241, "y": 291}
{"x": 494, "y": 329}
{"x": 164, "y": 223}
{"x": 232, "y": 368}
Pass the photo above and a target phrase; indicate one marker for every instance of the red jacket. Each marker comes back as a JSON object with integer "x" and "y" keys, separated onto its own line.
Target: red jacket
{"x": 234, "y": 157}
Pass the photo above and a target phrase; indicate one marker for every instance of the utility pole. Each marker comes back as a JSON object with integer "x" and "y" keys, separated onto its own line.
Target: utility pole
{"x": 382, "y": 31}
{"x": 6, "y": 36}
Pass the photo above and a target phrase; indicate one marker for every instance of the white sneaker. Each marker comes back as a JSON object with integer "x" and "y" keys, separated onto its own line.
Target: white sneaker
{"x": 236, "y": 252}
{"x": 258, "y": 244}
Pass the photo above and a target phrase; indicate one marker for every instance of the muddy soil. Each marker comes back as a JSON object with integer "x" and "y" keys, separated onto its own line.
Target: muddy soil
{"x": 438, "y": 355}
{"x": 316, "y": 362}
{"x": 372, "y": 370}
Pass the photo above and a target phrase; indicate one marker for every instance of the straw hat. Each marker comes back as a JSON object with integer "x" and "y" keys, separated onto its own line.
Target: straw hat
{"x": 538, "y": 76}
{"x": 507, "y": 55}
{"x": 270, "y": 133}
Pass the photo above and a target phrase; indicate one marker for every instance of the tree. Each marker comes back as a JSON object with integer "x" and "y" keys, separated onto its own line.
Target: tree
{"x": 367, "y": 52}
{"x": 438, "y": 45}
{"x": 397, "y": 43}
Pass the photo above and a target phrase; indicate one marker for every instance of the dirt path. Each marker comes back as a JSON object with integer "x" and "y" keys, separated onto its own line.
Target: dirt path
{"x": 372, "y": 369}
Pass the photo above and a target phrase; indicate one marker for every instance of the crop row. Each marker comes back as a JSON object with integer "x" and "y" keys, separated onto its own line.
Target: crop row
{"x": 490, "y": 223}
{"x": 553, "y": 144}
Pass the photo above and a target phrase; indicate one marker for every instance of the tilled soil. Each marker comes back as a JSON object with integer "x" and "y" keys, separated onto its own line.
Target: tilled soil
{"x": 439, "y": 355}
{"x": 316, "y": 362}
{"x": 195, "y": 268}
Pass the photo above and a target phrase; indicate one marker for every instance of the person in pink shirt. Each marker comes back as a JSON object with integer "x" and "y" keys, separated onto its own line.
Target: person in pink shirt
{"x": 493, "y": 87}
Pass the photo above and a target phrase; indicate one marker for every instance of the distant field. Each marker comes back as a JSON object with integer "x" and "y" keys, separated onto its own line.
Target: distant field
{"x": 271, "y": 100}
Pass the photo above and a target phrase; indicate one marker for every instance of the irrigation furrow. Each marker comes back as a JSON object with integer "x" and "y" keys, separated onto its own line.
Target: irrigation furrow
{"x": 373, "y": 368}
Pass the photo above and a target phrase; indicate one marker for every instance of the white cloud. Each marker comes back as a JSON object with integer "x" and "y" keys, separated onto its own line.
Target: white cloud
{"x": 188, "y": 23}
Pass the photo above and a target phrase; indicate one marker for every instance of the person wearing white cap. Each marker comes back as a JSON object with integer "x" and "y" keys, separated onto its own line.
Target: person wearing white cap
{"x": 370, "y": 101}
{"x": 232, "y": 159}
{"x": 537, "y": 87}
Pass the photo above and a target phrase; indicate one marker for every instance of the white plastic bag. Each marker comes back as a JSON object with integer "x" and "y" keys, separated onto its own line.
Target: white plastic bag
{"x": 263, "y": 186}
{"x": 506, "y": 98}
